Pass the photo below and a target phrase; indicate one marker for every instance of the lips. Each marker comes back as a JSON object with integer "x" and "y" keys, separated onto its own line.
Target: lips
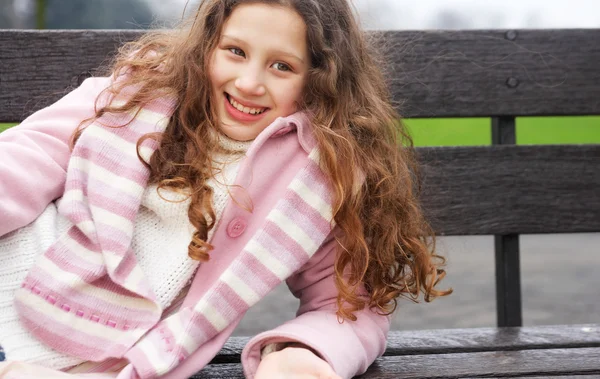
{"x": 238, "y": 115}
{"x": 244, "y": 106}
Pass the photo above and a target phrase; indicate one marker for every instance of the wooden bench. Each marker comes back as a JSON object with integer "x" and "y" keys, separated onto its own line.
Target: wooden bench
{"x": 503, "y": 190}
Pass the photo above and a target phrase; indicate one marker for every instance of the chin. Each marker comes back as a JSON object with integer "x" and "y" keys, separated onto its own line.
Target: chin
{"x": 237, "y": 135}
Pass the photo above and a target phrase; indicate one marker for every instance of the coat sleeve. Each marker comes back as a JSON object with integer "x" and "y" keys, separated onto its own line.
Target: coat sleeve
{"x": 349, "y": 347}
{"x": 34, "y": 155}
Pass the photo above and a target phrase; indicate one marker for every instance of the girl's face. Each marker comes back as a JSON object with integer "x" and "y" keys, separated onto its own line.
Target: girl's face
{"x": 258, "y": 69}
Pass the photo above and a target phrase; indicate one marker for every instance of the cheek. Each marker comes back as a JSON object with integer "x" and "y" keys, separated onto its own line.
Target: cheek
{"x": 214, "y": 77}
{"x": 291, "y": 96}
{"x": 216, "y": 72}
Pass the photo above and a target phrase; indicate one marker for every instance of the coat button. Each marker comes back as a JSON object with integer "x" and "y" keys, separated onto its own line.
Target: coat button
{"x": 236, "y": 227}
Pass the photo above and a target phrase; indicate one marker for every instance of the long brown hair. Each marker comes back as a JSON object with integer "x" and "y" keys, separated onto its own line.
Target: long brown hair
{"x": 385, "y": 243}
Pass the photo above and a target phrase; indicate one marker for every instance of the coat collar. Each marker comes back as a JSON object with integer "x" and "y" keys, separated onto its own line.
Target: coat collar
{"x": 298, "y": 122}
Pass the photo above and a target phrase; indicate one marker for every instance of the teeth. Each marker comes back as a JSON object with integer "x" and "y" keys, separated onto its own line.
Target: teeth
{"x": 241, "y": 108}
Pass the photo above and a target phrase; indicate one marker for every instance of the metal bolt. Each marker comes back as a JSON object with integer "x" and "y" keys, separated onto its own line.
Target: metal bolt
{"x": 511, "y": 35}
{"x": 512, "y": 82}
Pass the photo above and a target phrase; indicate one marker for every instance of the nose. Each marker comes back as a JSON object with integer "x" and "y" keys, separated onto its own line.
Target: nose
{"x": 251, "y": 81}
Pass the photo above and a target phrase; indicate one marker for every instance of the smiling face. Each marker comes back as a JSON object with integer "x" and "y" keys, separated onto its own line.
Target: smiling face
{"x": 258, "y": 69}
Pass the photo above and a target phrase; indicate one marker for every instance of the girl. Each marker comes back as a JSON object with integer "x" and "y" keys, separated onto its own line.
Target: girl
{"x": 256, "y": 144}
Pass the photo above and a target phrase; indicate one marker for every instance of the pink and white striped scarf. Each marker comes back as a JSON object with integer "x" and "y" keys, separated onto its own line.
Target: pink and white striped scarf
{"x": 88, "y": 297}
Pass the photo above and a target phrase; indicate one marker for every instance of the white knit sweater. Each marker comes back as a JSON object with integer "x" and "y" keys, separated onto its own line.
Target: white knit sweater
{"x": 160, "y": 241}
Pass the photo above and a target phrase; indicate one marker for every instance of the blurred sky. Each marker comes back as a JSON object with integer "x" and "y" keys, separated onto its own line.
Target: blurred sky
{"x": 454, "y": 14}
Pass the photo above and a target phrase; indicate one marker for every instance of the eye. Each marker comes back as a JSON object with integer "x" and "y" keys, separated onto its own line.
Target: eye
{"x": 237, "y": 51}
{"x": 282, "y": 66}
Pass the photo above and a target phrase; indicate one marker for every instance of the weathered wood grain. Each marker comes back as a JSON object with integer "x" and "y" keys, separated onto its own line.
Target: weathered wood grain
{"x": 492, "y": 339}
{"x": 431, "y": 73}
{"x": 512, "y": 189}
{"x": 495, "y": 364}
{"x": 38, "y": 67}
{"x": 496, "y": 73}
{"x": 488, "y": 364}
{"x": 443, "y": 341}
{"x": 225, "y": 371}
{"x": 544, "y": 377}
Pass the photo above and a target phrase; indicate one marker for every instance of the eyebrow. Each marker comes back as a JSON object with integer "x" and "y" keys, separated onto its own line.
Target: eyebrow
{"x": 292, "y": 55}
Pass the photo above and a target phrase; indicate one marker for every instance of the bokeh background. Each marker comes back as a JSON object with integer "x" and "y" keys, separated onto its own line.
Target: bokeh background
{"x": 560, "y": 280}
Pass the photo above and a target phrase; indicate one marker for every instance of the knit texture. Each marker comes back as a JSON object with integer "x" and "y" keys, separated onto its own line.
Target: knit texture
{"x": 87, "y": 295}
{"x": 18, "y": 252}
{"x": 307, "y": 201}
{"x": 161, "y": 236}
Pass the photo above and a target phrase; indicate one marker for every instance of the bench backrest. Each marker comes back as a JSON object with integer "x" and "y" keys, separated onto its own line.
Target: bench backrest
{"x": 502, "y": 190}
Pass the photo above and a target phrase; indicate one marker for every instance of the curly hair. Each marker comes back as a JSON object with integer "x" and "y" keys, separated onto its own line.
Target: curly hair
{"x": 385, "y": 245}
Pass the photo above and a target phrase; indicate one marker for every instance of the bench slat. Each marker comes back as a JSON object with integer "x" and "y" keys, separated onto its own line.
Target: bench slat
{"x": 545, "y": 377}
{"x": 489, "y": 73}
{"x": 526, "y": 363}
{"x": 512, "y": 189}
{"x": 492, "y": 339}
{"x": 501, "y": 364}
{"x": 442, "y": 341}
{"x": 435, "y": 73}
{"x": 226, "y": 370}
{"x": 39, "y": 67}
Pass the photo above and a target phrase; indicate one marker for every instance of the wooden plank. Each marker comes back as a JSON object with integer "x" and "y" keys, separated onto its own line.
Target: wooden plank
{"x": 496, "y": 72}
{"x": 499, "y": 364}
{"x": 221, "y": 371}
{"x": 432, "y": 73}
{"x": 488, "y": 364}
{"x": 450, "y": 342}
{"x": 38, "y": 67}
{"x": 512, "y": 189}
{"x": 234, "y": 371}
{"x": 445, "y": 341}
{"x": 546, "y": 377}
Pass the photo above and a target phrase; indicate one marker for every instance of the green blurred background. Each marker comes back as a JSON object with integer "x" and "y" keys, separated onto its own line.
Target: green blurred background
{"x": 530, "y": 130}
{"x": 477, "y": 131}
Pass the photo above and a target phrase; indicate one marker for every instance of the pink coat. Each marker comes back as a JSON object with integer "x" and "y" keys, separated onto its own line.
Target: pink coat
{"x": 33, "y": 163}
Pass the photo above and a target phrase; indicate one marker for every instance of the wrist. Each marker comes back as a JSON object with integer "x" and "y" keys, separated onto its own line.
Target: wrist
{"x": 280, "y": 346}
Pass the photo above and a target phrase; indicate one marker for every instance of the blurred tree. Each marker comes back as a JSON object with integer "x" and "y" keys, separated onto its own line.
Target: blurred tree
{"x": 97, "y": 14}
{"x": 40, "y": 14}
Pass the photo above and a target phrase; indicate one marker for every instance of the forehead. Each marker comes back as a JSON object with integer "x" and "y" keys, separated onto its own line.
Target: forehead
{"x": 270, "y": 25}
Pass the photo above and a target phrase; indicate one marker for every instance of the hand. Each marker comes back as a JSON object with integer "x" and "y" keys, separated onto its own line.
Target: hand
{"x": 294, "y": 363}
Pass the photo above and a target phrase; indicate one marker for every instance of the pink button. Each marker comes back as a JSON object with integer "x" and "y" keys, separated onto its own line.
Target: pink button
{"x": 236, "y": 227}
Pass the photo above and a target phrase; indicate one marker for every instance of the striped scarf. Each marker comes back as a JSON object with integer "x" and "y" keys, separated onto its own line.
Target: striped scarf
{"x": 88, "y": 297}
